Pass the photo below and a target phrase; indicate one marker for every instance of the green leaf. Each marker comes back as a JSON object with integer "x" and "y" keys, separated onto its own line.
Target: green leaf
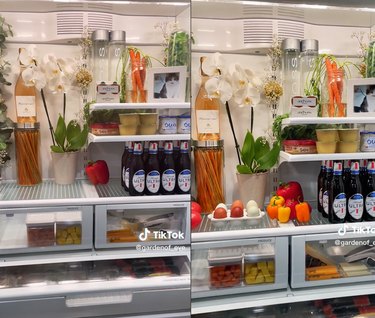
{"x": 248, "y": 151}
{"x": 261, "y": 147}
{"x": 242, "y": 169}
{"x": 73, "y": 129}
{"x": 269, "y": 160}
{"x": 57, "y": 149}
{"x": 79, "y": 140}
{"x": 60, "y": 132}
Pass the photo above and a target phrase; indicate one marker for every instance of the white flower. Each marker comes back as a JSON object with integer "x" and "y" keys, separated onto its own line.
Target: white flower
{"x": 214, "y": 65}
{"x": 217, "y": 87}
{"x": 247, "y": 96}
{"x": 29, "y": 56}
{"x": 33, "y": 76}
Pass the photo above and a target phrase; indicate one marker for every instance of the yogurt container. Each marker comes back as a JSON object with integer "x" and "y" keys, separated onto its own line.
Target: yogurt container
{"x": 367, "y": 141}
{"x": 183, "y": 124}
{"x": 167, "y": 125}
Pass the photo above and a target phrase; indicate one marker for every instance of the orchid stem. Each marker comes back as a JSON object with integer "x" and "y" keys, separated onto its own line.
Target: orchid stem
{"x": 64, "y": 106}
{"x": 251, "y": 119}
{"x": 233, "y": 132}
{"x": 49, "y": 120}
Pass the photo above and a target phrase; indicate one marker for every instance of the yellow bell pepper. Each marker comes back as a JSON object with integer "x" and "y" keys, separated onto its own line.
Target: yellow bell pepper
{"x": 283, "y": 214}
{"x": 277, "y": 200}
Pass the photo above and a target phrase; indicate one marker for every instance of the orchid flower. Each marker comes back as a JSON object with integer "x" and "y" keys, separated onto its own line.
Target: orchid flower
{"x": 247, "y": 96}
{"x": 32, "y": 75}
{"x": 214, "y": 65}
{"x": 217, "y": 87}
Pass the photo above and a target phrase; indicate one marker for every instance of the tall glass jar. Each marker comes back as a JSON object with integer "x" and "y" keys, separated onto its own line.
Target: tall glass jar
{"x": 309, "y": 55}
{"x": 100, "y": 40}
{"x": 207, "y": 111}
{"x": 290, "y": 72}
{"x": 115, "y": 52}
{"x": 370, "y": 60}
{"x": 209, "y": 173}
{"x": 333, "y": 94}
{"x": 27, "y": 142}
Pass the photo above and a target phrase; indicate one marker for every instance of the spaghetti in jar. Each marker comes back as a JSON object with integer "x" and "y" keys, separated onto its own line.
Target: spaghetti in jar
{"x": 27, "y": 140}
{"x": 209, "y": 173}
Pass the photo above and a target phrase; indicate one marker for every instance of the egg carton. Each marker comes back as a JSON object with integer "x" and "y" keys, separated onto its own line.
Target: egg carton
{"x": 248, "y": 220}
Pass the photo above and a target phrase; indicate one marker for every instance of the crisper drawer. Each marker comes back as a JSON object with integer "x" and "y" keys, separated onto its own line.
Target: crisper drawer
{"x": 239, "y": 266}
{"x": 328, "y": 259}
{"x": 127, "y": 225}
{"x": 46, "y": 229}
{"x": 121, "y": 287}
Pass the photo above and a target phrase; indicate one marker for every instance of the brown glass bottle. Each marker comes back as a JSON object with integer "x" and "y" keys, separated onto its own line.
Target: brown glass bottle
{"x": 125, "y": 171}
{"x": 152, "y": 170}
{"x": 123, "y": 164}
{"x": 369, "y": 193}
{"x": 337, "y": 198}
{"x": 354, "y": 195}
{"x": 168, "y": 170}
{"x": 183, "y": 172}
{"x": 207, "y": 111}
{"x": 137, "y": 171}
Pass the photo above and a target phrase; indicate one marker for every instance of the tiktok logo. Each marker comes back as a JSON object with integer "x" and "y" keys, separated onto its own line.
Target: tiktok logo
{"x": 342, "y": 230}
{"x": 144, "y": 235}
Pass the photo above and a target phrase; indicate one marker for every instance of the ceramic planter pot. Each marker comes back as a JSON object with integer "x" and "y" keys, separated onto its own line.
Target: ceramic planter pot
{"x": 253, "y": 187}
{"x": 64, "y": 166}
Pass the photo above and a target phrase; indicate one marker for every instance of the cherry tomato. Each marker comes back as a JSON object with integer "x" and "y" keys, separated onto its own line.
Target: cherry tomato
{"x": 196, "y": 207}
{"x": 196, "y": 219}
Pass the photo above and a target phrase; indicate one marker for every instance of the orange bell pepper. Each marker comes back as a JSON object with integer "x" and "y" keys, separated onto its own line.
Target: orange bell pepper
{"x": 303, "y": 212}
{"x": 272, "y": 211}
{"x": 277, "y": 200}
{"x": 283, "y": 214}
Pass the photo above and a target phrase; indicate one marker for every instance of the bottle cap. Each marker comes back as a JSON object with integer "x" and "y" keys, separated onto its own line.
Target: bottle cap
{"x": 153, "y": 147}
{"x": 100, "y": 35}
{"x": 117, "y": 35}
{"x": 291, "y": 45}
{"x": 309, "y": 45}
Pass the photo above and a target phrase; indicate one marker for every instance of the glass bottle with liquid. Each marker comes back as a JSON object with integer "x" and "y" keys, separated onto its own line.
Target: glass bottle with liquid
{"x": 152, "y": 170}
{"x": 290, "y": 72}
{"x": 183, "y": 172}
{"x": 168, "y": 170}
{"x": 25, "y": 100}
{"x": 125, "y": 171}
{"x": 369, "y": 193}
{"x": 137, "y": 171}
{"x": 116, "y": 48}
{"x": 207, "y": 110}
{"x": 354, "y": 194}
{"x": 309, "y": 55}
{"x": 337, "y": 205}
{"x": 326, "y": 187}
{"x": 100, "y": 39}
{"x": 123, "y": 164}
{"x": 320, "y": 182}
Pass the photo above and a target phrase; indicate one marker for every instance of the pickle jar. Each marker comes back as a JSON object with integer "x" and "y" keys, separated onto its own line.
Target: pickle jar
{"x": 225, "y": 265}
{"x": 209, "y": 173}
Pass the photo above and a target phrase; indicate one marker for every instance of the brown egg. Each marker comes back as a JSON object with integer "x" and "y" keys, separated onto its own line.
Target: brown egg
{"x": 220, "y": 213}
{"x": 237, "y": 203}
{"x": 236, "y": 212}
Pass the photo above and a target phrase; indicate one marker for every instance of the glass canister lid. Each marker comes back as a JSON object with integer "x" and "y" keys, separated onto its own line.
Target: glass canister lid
{"x": 117, "y": 35}
{"x": 291, "y": 45}
{"x": 100, "y": 35}
{"x": 309, "y": 45}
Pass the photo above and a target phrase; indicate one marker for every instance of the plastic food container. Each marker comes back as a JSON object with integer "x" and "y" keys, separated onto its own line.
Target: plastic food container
{"x": 296, "y": 147}
{"x": 148, "y": 119}
{"x": 130, "y": 119}
{"x": 327, "y": 135}
{"x": 40, "y": 229}
{"x": 147, "y": 129}
{"x": 225, "y": 267}
{"x": 183, "y": 124}
{"x": 326, "y": 147}
{"x": 104, "y": 129}
{"x": 347, "y": 146}
{"x": 351, "y": 134}
{"x": 128, "y": 130}
{"x": 68, "y": 228}
{"x": 258, "y": 268}
{"x": 367, "y": 141}
{"x": 167, "y": 125}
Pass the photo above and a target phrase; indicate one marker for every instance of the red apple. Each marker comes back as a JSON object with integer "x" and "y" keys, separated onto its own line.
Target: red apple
{"x": 220, "y": 213}
{"x": 236, "y": 212}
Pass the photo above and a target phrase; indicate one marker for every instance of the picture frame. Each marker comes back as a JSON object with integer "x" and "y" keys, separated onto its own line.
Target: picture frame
{"x": 166, "y": 84}
{"x": 361, "y": 97}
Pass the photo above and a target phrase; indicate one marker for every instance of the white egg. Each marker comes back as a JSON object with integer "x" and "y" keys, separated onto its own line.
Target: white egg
{"x": 253, "y": 211}
{"x": 250, "y": 204}
{"x": 221, "y": 205}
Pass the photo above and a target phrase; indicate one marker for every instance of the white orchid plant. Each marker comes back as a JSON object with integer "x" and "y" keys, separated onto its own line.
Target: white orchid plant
{"x": 234, "y": 85}
{"x": 55, "y": 75}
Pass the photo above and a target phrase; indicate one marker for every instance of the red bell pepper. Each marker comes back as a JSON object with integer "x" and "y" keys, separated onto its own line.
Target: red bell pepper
{"x": 97, "y": 172}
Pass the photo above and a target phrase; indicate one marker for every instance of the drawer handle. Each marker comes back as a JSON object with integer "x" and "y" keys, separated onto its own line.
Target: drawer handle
{"x": 107, "y": 298}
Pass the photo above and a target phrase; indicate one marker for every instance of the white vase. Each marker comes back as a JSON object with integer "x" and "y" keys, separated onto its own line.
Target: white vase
{"x": 253, "y": 187}
{"x": 64, "y": 166}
